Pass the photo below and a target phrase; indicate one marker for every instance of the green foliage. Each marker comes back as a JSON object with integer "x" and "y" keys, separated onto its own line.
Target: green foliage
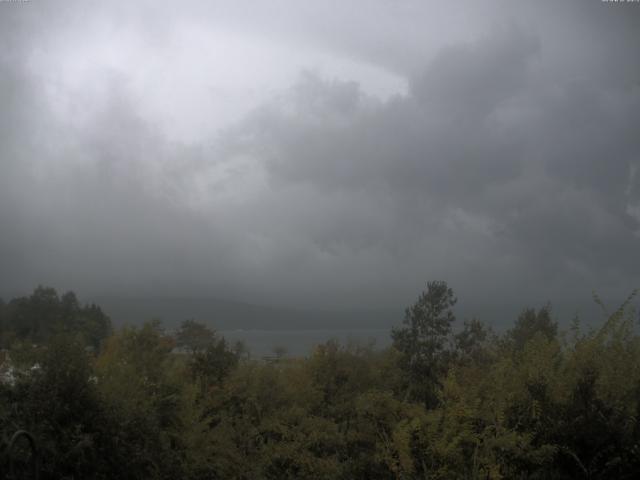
{"x": 472, "y": 344}
{"x": 57, "y": 401}
{"x": 214, "y": 363}
{"x": 194, "y": 336}
{"x": 210, "y": 358}
{"x": 531, "y": 323}
{"x": 424, "y": 341}
{"x": 439, "y": 404}
{"x": 137, "y": 378}
{"x": 43, "y": 314}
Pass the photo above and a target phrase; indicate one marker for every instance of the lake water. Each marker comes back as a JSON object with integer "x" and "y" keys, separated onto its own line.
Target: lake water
{"x": 302, "y": 342}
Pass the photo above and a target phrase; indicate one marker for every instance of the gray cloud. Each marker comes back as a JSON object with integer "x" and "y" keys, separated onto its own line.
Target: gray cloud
{"x": 508, "y": 165}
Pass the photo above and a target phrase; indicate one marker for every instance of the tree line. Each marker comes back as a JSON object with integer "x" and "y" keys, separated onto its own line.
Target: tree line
{"x": 445, "y": 401}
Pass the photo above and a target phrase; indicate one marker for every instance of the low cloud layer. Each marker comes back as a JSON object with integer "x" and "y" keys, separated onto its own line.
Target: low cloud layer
{"x": 379, "y": 146}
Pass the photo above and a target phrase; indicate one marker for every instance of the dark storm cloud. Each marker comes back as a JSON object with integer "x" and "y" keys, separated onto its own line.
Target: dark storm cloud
{"x": 509, "y": 166}
{"x": 482, "y": 154}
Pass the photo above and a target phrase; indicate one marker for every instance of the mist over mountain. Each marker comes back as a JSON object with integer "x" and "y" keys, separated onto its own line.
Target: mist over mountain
{"x": 230, "y": 315}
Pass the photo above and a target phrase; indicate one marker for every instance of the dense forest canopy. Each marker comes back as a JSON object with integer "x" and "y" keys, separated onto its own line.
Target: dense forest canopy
{"x": 44, "y": 313}
{"x": 444, "y": 401}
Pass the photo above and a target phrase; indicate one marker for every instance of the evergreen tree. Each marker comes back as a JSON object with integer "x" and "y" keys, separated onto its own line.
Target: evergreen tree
{"x": 424, "y": 341}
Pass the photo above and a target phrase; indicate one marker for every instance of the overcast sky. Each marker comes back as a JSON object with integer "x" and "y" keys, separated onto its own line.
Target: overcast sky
{"x": 321, "y": 153}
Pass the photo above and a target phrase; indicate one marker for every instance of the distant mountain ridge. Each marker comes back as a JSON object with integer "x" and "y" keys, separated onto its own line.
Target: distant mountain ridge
{"x": 227, "y": 314}
{"x": 222, "y": 314}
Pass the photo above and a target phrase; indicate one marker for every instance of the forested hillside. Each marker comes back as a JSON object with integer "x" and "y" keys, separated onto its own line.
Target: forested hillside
{"x": 449, "y": 399}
